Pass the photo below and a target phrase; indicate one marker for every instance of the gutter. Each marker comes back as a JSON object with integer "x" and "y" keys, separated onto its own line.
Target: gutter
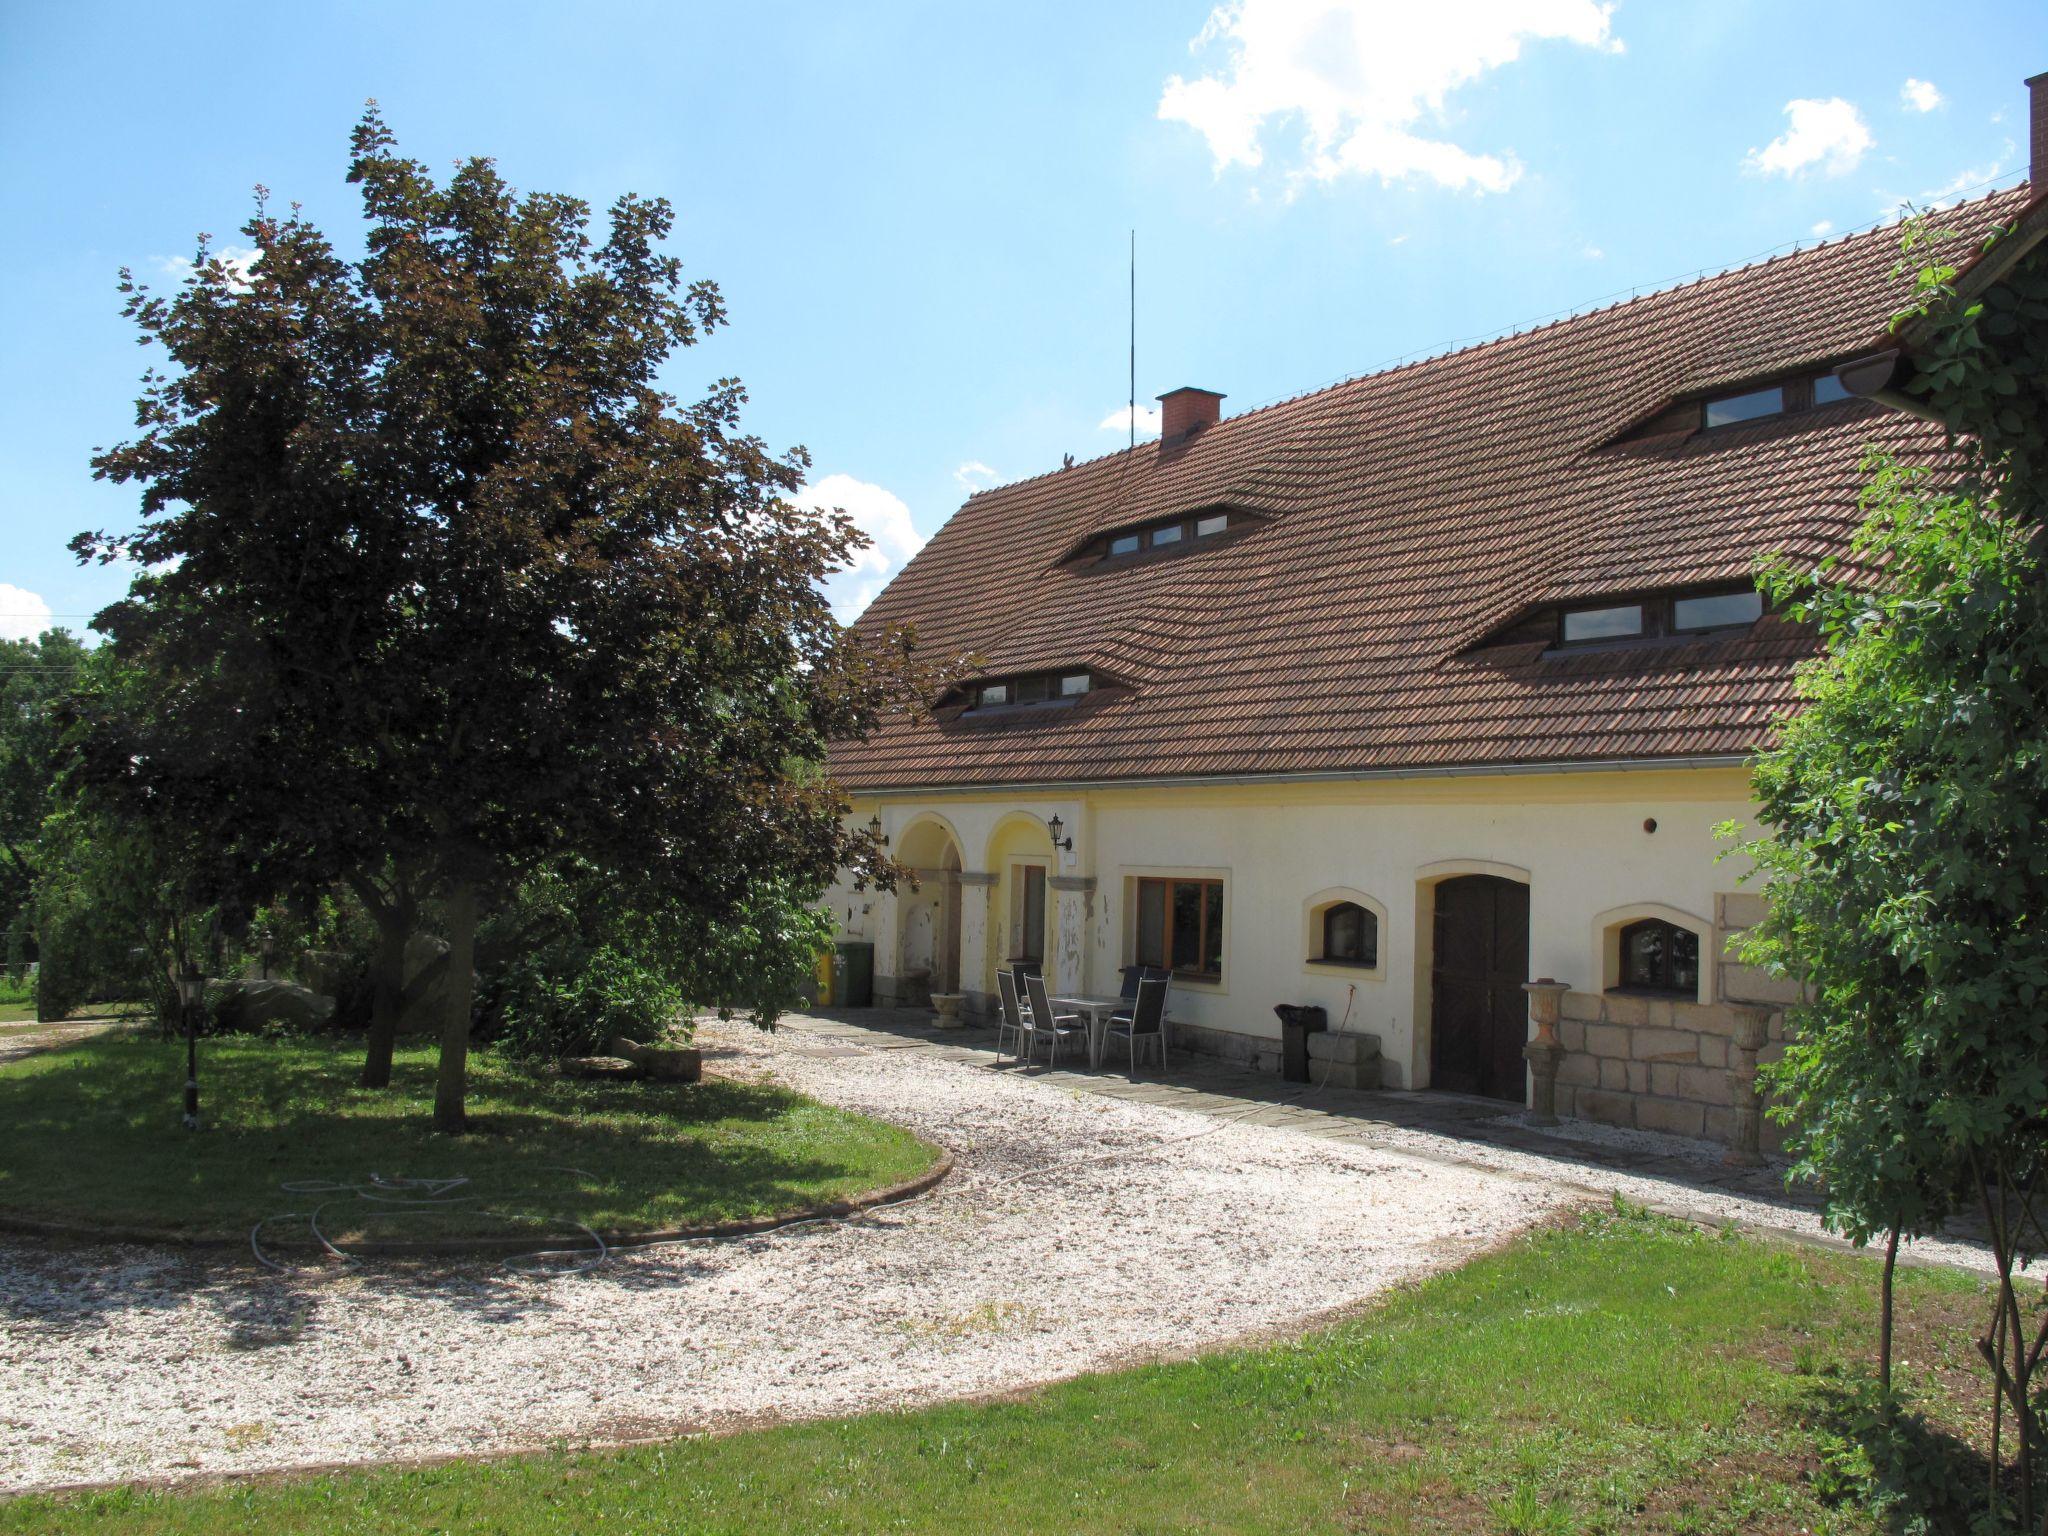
{"x": 1882, "y": 375}
{"x": 1332, "y": 776}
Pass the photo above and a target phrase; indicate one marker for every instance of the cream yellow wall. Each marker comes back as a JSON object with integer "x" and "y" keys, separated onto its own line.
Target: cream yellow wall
{"x": 1579, "y": 836}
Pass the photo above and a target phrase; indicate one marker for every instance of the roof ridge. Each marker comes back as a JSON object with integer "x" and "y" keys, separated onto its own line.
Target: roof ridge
{"x": 1410, "y": 361}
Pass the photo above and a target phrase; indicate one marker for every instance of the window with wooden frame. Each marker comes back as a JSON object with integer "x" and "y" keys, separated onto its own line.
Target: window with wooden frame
{"x": 1030, "y": 688}
{"x": 1787, "y": 397}
{"x": 1610, "y": 622}
{"x": 1180, "y": 927}
{"x": 1164, "y": 535}
{"x": 1660, "y": 957}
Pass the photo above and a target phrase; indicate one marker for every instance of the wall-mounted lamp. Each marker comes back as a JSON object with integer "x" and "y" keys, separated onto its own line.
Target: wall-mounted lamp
{"x": 1056, "y": 827}
{"x": 875, "y": 830}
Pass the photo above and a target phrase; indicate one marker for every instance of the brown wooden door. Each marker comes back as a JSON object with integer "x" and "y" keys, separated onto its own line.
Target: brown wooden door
{"x": 1479, "y": 1015}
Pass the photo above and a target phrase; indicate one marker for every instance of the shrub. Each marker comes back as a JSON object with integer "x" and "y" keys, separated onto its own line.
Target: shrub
{"x": 570, "y": 1002}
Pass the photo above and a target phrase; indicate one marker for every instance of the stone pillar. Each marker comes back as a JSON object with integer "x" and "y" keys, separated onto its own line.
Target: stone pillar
{"x": 1752, "y": 1028}
{"x": 1544, "y": 1052}
{"x": 1073, "y": 907}
{"x": 975, "y": 886}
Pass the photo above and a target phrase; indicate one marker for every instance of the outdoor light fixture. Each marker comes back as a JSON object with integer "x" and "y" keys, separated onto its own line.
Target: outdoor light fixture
{"x": 191, "y": 998}
{"x": 1056, "y": 827}
{"x": 875, "y": 830}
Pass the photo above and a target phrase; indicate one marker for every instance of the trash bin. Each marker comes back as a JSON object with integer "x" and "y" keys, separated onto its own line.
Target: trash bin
{"x": 853, "y": 977}
{"x": 1297, "y": 1023}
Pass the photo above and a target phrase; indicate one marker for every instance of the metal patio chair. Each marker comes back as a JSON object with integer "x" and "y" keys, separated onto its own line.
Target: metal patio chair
{"x": 1013, "y": 1020}
{"x": 1055, "y": 1027}
{"x": 1145, "y": 1023}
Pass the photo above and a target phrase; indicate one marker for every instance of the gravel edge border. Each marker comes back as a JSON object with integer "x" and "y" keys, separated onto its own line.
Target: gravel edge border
{"x": 846, "y": 1205}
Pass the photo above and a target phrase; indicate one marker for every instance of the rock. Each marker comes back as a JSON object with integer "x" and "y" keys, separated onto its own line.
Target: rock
{"x": 672, "y": 1064}
{"x": 252, "y": 1005}
{"x": 600, "y": 1068}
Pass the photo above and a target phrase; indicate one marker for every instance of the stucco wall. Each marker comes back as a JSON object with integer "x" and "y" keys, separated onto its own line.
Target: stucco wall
{"x": 1578, "y": 840}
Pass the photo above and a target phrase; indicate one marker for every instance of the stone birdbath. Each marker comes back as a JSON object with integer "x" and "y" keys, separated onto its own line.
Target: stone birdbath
{"x": 947, "y": 1006}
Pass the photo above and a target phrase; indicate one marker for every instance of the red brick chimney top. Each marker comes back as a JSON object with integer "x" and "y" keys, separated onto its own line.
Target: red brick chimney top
{"x": 1185, "y": 411}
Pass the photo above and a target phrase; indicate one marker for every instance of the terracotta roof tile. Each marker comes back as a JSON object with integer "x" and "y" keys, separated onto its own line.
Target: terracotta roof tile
{"x": 1407, "y": 516}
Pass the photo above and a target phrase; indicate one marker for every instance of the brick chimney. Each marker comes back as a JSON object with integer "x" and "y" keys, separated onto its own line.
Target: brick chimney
{"x": 1185, "y": 411}
{"x": 2037, "y": 135}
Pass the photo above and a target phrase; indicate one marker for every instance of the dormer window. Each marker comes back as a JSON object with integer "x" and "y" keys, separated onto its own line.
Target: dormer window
{"x": 1715, "y": 610}
{"x": 1620, "y": 622}
{"x": 1757, "y": 403}
{"x": 1165, "y": 534}
{"x": 1031, "y": 688}
{"x": 1679, "y": 616}
{"x": 1784, "y": 398}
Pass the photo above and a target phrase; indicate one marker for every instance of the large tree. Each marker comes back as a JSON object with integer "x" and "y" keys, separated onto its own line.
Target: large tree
{"x": 1907, "y": 846}
{"x": 461, "y": 587}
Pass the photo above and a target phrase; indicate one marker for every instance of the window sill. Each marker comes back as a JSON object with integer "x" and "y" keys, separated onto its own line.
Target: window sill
{"x": 1350, "y": 970}
{"x": 1661, "y": 994}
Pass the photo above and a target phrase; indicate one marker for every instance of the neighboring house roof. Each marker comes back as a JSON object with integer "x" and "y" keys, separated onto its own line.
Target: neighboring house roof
{"x": 1404, "y": 518}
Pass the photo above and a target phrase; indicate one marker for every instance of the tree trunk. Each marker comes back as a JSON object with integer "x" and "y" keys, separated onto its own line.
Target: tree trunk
{"x": 387, "y": 998}
{"x": 449, "y": 1113}
{"x": 1884, "y": 1325}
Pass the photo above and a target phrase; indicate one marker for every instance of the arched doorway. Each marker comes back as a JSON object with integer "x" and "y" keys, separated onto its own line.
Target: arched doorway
{"x": 1479, "y": 1015}
{"x": 1021, "y": 916}
{"x": 928, "y": 918}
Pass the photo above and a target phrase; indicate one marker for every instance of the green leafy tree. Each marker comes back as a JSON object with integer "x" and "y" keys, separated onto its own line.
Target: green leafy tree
{"x": 1907, "y": 850}
{"x": 485, "y": 595}
{"x": 36, "y": 676}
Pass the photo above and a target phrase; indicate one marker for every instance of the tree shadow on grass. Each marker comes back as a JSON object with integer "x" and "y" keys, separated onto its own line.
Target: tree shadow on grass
{"x": 92, "y": 1135}
{"x": 1912, "y": 1473}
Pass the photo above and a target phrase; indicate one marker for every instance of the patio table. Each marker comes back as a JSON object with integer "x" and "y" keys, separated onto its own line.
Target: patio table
{"x": 1097, "y": 1011}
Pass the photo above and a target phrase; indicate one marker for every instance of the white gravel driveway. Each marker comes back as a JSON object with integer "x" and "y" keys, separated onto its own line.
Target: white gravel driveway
{"x": 1076, "y": 1232}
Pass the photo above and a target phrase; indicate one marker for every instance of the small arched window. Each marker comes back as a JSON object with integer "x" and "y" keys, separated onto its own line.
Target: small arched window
{"x": 1657, "y": 956}
{"x": 1351, "y": 935}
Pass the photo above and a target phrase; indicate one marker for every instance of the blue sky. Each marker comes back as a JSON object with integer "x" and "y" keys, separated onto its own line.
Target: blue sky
{"x": 919, "y": 213}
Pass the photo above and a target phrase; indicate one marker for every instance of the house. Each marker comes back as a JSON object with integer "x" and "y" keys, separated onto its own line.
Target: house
{"x": 1397, "y": 695}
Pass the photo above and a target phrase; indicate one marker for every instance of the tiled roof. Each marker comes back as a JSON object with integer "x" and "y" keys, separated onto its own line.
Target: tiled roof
{"x": 1408, "y": 515}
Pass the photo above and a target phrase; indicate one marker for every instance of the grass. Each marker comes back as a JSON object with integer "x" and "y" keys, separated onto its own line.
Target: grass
{"x": 1619, "y": 1375}
{"x": 92, "y": 1134}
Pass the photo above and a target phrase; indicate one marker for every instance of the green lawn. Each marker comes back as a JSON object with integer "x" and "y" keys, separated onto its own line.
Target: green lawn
{"x": 1623, "y": 1375}
{"x": 92, "y": 1134}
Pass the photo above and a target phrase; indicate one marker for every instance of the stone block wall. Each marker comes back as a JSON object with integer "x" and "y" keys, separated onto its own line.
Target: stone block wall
{"x": 1655, "y": 1064}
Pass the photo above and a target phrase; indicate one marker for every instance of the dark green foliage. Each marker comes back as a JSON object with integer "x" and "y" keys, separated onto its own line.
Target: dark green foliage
{"x": 1907, "y": 852}
{"x": 569, "y": 1003}
{"x": 441, "y": 588}
{"x": 1908, "y": 860}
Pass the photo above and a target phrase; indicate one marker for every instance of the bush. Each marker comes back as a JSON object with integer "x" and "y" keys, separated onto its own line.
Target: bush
{"x": 570, "y": 1002}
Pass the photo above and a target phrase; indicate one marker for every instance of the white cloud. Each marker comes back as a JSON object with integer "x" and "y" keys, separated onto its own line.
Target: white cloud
{"x": 23, "y": 614}
{"x": 1958, "y": 187}
{"x": 882, "y": 516}
{"x": 1920, "y": 95}
{"x": 1830, "y": 134}
{"x": 1360, "y": 77}
{"x": 1593, "y": 253}
{"x": 239, "y": 260}
{"x": 974, "y": 476}
{"x": 1823, "y": 228}
{"x": 1400, "y": 239}
{"x": 1119, "y": 420}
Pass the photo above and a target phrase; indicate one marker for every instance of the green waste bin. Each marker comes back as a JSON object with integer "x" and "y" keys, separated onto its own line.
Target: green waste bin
{"x": 853, "y": 976}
